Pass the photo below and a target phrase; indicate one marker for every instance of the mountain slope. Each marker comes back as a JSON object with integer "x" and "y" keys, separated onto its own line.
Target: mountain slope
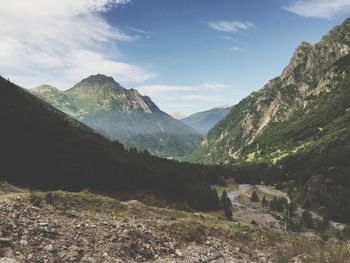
{"x": 326, "y": 116}
{"x": 43, "y": 147}
{"x": 311, "y": 149}
{"x": 279, "y": 100}
{"x": 123, "y": 115}
{"x": 205, "y": 120}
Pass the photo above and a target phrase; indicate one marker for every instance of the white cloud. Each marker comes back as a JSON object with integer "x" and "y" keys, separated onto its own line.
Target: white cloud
{"x": 157, "y": 89}
{"x": 202, "y": 97}
{"x": 235, "y": 48}
{"x": 61, "y": 42}
{"x": 178, "y": 115}
{"x": 319, "y": 8}
{"x": 187, "y": 98}
{"x": 229, "y": 38}
{"x": 152, "y": 90}
{"x": 212, "y": 85}
{"x": 230, "y": 26}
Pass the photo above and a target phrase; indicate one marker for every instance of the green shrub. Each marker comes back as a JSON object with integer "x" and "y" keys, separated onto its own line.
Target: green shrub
{"x": 339, "y": 253}
{"x": 255, "y": 197}
{"x": 36, "y": 199}
{"x": 192, "y": 233}
{"x": 49, "y": 198}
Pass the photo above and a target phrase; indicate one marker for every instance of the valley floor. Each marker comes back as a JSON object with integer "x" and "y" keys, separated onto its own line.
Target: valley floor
{"x": 84, "y": 227}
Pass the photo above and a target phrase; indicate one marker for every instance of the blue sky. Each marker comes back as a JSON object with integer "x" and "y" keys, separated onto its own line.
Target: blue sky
{"x": 187, "y": 55}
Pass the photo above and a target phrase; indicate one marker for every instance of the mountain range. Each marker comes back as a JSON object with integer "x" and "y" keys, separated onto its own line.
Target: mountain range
{"x": 42, "y": 147}
{"x": 124, "y": 115}
{"x": 301, "y": 84}
{"x": 295, "y": 131}
{"x": 206, "y": 120}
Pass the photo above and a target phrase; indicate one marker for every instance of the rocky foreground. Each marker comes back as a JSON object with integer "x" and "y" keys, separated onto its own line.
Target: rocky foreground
{"x": 82, "y": 227}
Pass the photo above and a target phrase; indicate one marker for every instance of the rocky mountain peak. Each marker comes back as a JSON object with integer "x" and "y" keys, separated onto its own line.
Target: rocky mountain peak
{"x": 339, "y": 34}
{"x": 99, "y": 79}
{"x": 96, "y": 83}
{"x": 281, "y": 97}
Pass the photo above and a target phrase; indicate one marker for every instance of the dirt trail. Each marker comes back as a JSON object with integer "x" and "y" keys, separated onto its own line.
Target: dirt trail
{"x": 246, "y": 213}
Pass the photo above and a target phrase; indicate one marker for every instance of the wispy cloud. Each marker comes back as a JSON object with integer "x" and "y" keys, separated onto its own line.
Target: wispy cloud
{"x": 62, "y": 41}
{"x": 188, "y": 98}
{"x": 230, "y": 26}
{"x": 325, "y": 9}
{"x": 156, "y": 89}
{"x": 152, "y": 90}
{"x": 140, "y": 32}
{"x": 202, "y": 97}
{"x": 235, "y": 48}
{"x": 212, "y": 86}
{"x": 232, "y": 39}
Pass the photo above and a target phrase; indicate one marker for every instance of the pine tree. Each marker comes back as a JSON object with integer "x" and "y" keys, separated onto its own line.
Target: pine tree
{"x": 255, "y": 197}
{"x": 265, "y": 203}
{"x": 228, "y": 213}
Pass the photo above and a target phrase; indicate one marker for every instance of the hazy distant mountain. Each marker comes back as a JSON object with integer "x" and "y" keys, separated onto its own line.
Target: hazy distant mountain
{"x": 179, "y": 115}
{"x": 205, "y": 120}
{"x": 120, "y": 114}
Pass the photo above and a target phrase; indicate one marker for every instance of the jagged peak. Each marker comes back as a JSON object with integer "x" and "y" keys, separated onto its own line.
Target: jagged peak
{"x": 99, "y": 78}
{"x": 339, "y": 34}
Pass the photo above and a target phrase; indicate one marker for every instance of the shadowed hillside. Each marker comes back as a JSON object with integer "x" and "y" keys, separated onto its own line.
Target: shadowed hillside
{"x": 42, "y": 147}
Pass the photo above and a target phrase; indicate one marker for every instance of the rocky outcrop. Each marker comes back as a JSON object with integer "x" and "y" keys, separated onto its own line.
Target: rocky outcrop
{"x": 62, "y": 230}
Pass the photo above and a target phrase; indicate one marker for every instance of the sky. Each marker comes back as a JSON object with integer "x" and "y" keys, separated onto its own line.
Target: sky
{"x": 187, "y": 55}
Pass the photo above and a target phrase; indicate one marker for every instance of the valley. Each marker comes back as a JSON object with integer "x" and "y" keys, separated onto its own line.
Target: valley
{"x": 93, "y": 168}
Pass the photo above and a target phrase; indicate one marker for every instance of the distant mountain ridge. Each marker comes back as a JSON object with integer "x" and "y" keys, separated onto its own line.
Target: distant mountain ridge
{"x": 206, "y": 120}
{"x": 278, "y": 101}
{"x": 120, "y": 114}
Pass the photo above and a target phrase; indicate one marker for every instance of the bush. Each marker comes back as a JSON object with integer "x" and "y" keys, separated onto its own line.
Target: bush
{"x": 307, "y": 219}
{"x": 278, "y": 204}
{"x": 36, "y": 199}
{"x": 264, "y": 202}
{"x": 49, "y": 198}
{"x": 228, "y": 214}
{"x": 193, "y": 233}
{"x": 255, "y": 197}
{"x": 339, "y": 253}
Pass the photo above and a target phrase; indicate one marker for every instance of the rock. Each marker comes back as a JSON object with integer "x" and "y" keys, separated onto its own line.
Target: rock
{"x": 5, "y": 242}
{"x": 23, "y": 242}
{"x": 178, "y": 253}
{"x": 300, "y": 259}
{"x": 216, "y": 254}
{"x": 8, "y": 260}
{"x": 49, "y": 248}
{"x": 88, "y": 260}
